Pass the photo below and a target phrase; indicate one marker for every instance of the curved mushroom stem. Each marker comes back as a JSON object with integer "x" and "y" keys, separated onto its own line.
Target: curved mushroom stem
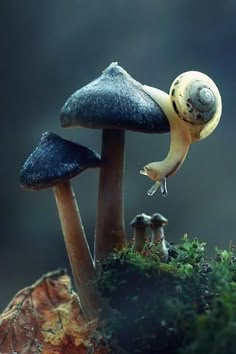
{"x": 179, "y": 145}
{"x": 78, "y": 250}
{"x": 110, "y": 230}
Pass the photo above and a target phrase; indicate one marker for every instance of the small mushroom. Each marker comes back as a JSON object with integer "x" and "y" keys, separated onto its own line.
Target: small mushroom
{"x": 140, "y": 224}
{"x": 114, "y": 102}
{"x": 157, "y": 223}
{"x": 52, "y": 164}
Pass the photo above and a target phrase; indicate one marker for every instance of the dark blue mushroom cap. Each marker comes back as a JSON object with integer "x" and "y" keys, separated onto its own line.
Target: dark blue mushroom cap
{"x": 141, "y": 221}
{"x": 114, "y": 101}
{"x": 158, "y": 219}
{"x": 56, "y": 160}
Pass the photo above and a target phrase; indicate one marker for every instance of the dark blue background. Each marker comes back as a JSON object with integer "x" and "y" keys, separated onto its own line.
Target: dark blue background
{"x": 50, "y": 48}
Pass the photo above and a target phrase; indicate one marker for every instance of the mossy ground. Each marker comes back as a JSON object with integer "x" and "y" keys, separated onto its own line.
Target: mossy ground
{"x": 185, "y": 306}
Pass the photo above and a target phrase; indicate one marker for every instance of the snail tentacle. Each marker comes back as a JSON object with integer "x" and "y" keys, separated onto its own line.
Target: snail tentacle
{"x": 164, "y": 187}
{"x": 154, "y": 188}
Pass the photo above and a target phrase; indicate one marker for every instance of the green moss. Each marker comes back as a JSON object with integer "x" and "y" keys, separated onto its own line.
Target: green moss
{"x": 187, "y": 305}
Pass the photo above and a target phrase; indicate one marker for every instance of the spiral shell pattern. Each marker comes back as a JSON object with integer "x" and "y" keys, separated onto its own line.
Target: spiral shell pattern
{"x": 195, "y": 97}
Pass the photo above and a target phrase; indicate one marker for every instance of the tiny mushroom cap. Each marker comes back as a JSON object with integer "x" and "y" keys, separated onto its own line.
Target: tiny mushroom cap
{"x": 140, "y": 221}
{"x": 114, "y": 102}
{"x": 56, "y": 160}
{"x": 158, "y": 219}
{"x": 52, "y": 164}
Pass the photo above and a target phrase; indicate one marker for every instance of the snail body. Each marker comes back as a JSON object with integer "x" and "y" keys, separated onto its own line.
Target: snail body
{"x": 193, "y": 109}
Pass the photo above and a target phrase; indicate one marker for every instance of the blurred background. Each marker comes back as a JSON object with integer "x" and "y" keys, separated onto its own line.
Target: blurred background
{"x": 49, "y": 49}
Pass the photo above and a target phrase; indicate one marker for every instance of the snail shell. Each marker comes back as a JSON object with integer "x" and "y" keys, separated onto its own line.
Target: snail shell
{"x": 196, "y": 99}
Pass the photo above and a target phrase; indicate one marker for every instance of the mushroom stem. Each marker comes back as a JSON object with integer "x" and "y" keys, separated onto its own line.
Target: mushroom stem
{"x": 162, "y": 250}
{"x": 110, "y": 230}
{"x": 179, "y": 145}
{"x": 157, "y": 233}
{"x": 77, "y": 249}
{"x": 139, "y": 238}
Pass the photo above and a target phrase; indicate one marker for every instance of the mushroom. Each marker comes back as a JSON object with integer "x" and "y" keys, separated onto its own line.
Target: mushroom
{"x": 157, "y": 223}
{"x": 140, "y": 224}
{"x": 114, "y": 102}
{"x": 52, "y": 164}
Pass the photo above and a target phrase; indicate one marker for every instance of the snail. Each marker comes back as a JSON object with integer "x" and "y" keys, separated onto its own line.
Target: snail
{"x": 193, "y": 108}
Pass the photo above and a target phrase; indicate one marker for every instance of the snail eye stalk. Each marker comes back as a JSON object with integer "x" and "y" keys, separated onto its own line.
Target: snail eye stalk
{"x": 154, "y": 188}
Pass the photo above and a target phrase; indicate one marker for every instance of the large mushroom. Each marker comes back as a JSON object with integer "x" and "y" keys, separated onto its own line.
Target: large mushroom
{"x": 114, "y": 102}
{"x": 52, "y": 164}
